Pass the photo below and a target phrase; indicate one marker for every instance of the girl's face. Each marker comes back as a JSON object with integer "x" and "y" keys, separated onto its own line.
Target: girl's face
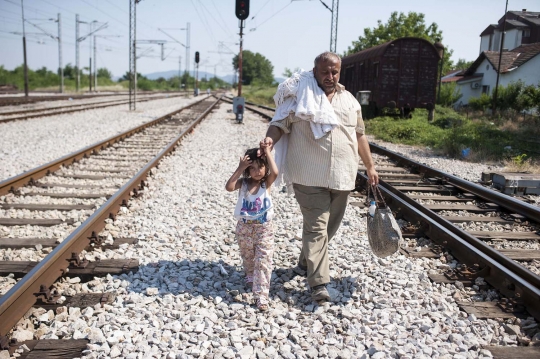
{"x": 257, "y": 172}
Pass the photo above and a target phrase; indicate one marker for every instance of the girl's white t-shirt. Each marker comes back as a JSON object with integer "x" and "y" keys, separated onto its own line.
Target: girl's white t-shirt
{"x": 256, "y": 207}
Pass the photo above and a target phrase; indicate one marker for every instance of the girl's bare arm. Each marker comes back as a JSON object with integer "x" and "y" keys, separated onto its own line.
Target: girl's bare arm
{"x": 235, "y": 182}
{"x": 271, "y": 165}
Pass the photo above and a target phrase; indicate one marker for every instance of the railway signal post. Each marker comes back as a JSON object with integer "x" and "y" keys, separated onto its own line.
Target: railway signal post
{"x": 241, "y": 12}
{"x": 197, "y": 58}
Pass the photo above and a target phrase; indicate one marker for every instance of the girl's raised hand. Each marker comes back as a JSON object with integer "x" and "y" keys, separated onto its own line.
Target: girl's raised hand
{"x": 245, "y": 162}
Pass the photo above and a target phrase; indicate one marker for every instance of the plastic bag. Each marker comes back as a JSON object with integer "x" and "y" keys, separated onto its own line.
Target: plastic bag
{"x": 383, "y": 231}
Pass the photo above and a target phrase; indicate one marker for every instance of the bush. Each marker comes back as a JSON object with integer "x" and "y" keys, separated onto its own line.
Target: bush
{"x": 450, "y": 94}
{"x": 480, "y": 103}
{"x": 446, "y": 117}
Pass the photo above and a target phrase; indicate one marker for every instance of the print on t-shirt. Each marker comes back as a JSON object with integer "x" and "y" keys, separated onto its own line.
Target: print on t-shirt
{"x": 256, "y": 210}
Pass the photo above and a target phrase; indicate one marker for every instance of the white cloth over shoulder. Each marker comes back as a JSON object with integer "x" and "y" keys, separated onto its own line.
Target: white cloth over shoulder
{"x": 300, "y": 94}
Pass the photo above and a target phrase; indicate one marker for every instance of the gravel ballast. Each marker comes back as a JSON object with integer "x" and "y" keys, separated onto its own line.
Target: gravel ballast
{"x": 188, "y": 298}
{"x": 30, "y": 143}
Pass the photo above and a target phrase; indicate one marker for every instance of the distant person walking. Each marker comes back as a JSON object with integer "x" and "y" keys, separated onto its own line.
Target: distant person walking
{"x": 322, "y": 133}
{"x": 254, "y": 212}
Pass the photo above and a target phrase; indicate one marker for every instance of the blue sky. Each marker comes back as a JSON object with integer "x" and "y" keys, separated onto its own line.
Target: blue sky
{"x": 289, "y": 33}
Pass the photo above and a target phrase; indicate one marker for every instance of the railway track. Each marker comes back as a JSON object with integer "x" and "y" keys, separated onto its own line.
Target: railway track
{"x": 22, "y": 100}
{"x": 494, "y": 237}
{"x": 58, "y": 110}
{"x": 77, "y": 194}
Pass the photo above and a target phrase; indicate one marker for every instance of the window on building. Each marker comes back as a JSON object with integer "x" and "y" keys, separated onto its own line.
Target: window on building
{"x": 490, "y": 41}
{"x": 376, "y": 69}
{"x": 527, "y": 33}
{"x": 485, "y": 89}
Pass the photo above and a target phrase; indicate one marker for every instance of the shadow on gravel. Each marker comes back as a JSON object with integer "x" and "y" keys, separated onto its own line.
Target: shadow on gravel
{"x": 221, "y": 282}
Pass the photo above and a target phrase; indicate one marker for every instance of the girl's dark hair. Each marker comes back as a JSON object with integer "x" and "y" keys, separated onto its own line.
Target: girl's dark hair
{"x": 261, "y": 161}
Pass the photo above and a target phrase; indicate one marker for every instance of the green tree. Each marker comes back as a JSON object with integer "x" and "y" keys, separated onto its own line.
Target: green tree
{"x": 398, "y": 26}
{"x": 127, "y": 75}
{"x": 462, "y": 64}
{"x": 70, "y": 72}
{"x": 256, "y": 69}
{"x": 104, "y": 73}
{"x": 450, "y": 94}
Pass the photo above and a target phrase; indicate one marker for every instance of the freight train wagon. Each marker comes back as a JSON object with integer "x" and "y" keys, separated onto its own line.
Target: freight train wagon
{"x": 401, "y": 74}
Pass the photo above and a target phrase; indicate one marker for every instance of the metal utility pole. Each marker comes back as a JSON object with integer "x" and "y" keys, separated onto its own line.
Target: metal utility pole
{"x": 500, "y": 59}
{"x": 95, "y": 65}
{"x": 90, "y": 25}
{"x": 61, "y": 67}
{"x": 240, "y": 60}
{"x": 179, "y": 73}
{"x": 77, "y": 69}
{"x": 56, "y": 38}
{"x": 334, "y": 24}
{"x": 78, "y": 39}
{"x": 188, "y": 38}
{"x": 24, "y": 53}
{"x": 132, "y": 54}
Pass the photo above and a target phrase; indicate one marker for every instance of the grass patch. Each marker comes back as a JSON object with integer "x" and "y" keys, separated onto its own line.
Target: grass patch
{"x": 452, "y": 134}
{"x": 259, "y": 95}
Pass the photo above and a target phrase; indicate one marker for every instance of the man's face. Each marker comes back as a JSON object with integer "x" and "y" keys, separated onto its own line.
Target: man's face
{"x": 327, "y": 75}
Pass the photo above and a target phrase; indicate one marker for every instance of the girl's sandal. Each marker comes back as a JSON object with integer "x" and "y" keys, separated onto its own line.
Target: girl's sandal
{"x": 263, "y": 307}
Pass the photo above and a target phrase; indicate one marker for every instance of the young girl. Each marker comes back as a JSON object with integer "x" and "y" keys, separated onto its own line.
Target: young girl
{"x": 254, "y": 211}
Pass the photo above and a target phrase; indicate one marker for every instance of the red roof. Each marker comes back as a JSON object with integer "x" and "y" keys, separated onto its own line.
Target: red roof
{"x": 509, "y": 59}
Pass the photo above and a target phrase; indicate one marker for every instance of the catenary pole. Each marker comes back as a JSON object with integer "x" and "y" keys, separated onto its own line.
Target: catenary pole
{"x": 188, "y": 38}
{"x": 25, "y": 70}
{"x": 95, "y": 65}
{"x": 60, "y": 65}
{"x": 500, "y": 59}
{"x": 334, "y": 25}
{"x": 78, "y": 82}
{"x": 90, "y": 25}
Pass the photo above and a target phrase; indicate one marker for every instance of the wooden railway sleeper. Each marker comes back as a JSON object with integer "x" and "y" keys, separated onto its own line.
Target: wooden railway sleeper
{"x": 76, "y": 262}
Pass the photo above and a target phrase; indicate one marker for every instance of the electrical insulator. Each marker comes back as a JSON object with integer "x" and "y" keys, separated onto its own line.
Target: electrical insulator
{"x": 242, "y": 9}
{"x": 196, "y": 57}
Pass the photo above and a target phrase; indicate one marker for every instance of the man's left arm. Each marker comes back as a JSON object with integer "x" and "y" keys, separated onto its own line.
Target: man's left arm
{"x": 363, "y": 149}
{"x": 367, "y": 159}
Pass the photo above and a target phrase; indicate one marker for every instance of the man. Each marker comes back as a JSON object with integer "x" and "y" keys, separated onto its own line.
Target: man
{"x": 323, "y": 171}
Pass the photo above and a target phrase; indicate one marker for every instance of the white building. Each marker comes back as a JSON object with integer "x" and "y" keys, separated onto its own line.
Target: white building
{"x": 521, "y": 63}
{"x": 520, "y": 27}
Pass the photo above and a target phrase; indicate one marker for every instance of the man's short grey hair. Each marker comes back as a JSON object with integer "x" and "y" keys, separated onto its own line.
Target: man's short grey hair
{"x": 327, "y": 56}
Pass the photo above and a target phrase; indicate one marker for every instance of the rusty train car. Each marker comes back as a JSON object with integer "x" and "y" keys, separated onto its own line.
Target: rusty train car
{"x": 401, "y": 74}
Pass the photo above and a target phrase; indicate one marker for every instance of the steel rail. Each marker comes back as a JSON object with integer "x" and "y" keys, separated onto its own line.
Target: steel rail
{"x": 21, "y": 297}
{"x": 21, "y": 100}
{"x": 11, "y": 113}
{"x": 90, "y": 107}
{"x": 33, "y": 175}
{"x": 503, "y": 273}
{"x": 517, "y": 206}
